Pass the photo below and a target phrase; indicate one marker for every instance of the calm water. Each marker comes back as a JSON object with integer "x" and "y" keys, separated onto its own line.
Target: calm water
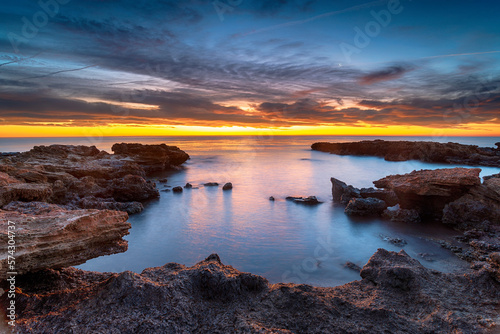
{"x": 280, "y": 240}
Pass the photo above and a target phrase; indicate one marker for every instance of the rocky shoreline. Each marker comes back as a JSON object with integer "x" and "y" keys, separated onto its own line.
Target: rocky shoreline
{"x": 395, "y": 295}
{"x": 449, "y": 153}
{"x": 72, "y": 204}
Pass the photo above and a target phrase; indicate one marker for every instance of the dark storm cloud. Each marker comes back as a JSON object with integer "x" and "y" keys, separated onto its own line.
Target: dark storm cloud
{"x": 386, "y": 74}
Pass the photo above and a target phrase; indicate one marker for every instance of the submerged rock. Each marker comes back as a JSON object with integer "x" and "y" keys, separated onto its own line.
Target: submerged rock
{"x": 211, "y": 184}
{"x": 188, "y": 186}
{"x": 177, "y": 189}
{"x": 227, "y": 186}
{"x": 310, "y": 200}
{"x": 396, "y": 294}
{"x": 48, "y": 236}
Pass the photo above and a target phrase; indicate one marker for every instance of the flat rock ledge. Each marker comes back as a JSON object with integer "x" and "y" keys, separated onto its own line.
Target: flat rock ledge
{"x": 395, "y": 295}
{"x": 47, "y": 236}
{"x": 449, "y": 153}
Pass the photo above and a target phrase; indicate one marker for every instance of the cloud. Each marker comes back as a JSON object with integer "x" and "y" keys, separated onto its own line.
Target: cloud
{"x": 387, "y": 74}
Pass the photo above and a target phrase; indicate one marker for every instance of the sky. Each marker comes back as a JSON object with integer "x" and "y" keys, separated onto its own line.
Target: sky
{"x": 144, "y": 67}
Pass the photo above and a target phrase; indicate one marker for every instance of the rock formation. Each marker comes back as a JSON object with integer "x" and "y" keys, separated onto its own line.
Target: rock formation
{"x": 83, "y": 177}
{"x": 48, "y": 236}
{"x": 396, "y": 295}
{"x": 450, "y": 153}
{"x": 152, "y": 157}
{"x": 428, "y": 191}
{"x": 365, "y": 207}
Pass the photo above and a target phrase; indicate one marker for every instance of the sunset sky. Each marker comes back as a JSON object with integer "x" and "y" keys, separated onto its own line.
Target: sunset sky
{"x": 143, "y": 67}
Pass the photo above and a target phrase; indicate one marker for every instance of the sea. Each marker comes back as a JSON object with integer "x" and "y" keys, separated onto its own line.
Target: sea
{"x": 280, "y": 240}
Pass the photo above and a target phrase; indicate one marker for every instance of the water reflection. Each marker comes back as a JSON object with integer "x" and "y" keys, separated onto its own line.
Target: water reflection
{"x": 276, "y": 239}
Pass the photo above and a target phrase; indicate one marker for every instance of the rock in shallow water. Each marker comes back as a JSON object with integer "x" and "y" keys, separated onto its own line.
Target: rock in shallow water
{"x": 365, "y": 207}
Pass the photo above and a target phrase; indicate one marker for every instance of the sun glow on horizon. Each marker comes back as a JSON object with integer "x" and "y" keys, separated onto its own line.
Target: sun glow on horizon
{"x": 111, "y": 130}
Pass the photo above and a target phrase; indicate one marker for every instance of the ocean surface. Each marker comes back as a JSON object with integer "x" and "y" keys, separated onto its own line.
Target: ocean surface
{"x": 281, "y": 240}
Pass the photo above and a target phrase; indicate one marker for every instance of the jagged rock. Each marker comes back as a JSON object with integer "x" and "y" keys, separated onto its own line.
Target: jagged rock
{"x": 451, "y": 153}
{"x": 15, "y": 190}
{"x": 428, "y": 191}
{"x": 365, "y": 207}
{"x": 227, "y": 186}
{"x": 152, "y": 157}
{"x": 387, "y": 196}
{"x": 396, "y": 295}
{"x": 481, "y": 203}
{"x": 32, "y": 176}
{"x": 110, "y": 204}
{"x": 343, "y": 193}
{"x": 134, "y": 188}
{"x": 495, "y": 257}
{"x": 51, "y": 237}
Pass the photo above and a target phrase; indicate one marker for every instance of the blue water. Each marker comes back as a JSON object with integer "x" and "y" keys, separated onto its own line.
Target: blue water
{"x": 280, "y": 240}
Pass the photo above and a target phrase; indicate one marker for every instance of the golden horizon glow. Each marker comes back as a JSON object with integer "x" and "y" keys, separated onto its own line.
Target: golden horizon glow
{"x": 118, "y": 130}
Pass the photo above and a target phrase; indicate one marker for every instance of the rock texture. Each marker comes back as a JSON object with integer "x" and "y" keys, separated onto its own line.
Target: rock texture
{"x": 451, "y": 153}
{"x": 47, "y": 236}
{"x": 83, "y": 177}
{"x": 365, "y": 207}
{"x": 396, "y": 295}
{"x": 152, "y": 157}
{"x": 428, "y": 191}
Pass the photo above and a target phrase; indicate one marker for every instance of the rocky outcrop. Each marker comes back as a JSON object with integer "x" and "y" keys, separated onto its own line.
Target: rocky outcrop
{"x": 365, "y": 207}
{"x": 396, "y": 295}
{"x": 428, "y": 191}
{"x": 48, "y": 236}
{"x": 84, "y": 177}
{"x": 343, "y": 193}
{"x": 450, "y": 153}
{"x": 152, "y": 158}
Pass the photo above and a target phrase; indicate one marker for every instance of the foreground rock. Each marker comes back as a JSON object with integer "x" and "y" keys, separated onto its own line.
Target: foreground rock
{"x": 47, "y": 236}
{"x": 396, "y": 295}
{"x": 83, "y": 177}
{"x": 451, "y": 153}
